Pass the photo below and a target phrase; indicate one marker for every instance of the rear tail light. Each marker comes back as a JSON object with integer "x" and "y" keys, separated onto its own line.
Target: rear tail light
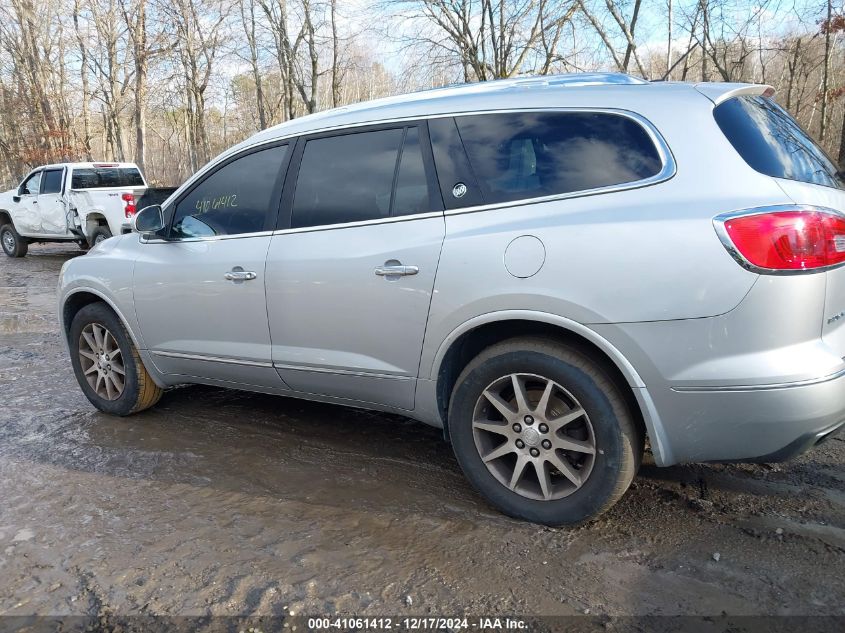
{"x": 785, "y": 239}
{"x": 129, "y": 207}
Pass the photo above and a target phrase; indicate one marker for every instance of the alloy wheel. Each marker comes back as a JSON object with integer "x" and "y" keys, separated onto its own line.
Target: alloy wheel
{"x": 534, "y": 436}
{"x": 8, "y": 241}
{"x": 102, "y": 361}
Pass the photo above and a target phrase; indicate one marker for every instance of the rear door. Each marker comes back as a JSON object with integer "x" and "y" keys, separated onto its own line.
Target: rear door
{"x": 51, "y": 203}
{"x": 350, "y": 276}
{"x": 199, "y": 293}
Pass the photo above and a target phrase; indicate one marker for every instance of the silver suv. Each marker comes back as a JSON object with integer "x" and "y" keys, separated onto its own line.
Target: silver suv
{"x": 551, "y": 269}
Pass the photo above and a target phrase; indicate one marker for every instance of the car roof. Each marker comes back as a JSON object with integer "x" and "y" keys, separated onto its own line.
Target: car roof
{"x": 98, "y": 164}
{"x": 608, "y": 90}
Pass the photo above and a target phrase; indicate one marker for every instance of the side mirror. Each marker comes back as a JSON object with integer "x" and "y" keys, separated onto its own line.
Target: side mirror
{"x": 148, "y": 220}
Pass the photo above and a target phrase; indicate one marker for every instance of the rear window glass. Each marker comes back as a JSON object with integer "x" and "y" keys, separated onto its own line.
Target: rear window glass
{"x": 93, "y": 178}
{"x": 533, "y": 154}
{"x": 52, "y": 181}
{"x": 773, "y": 143}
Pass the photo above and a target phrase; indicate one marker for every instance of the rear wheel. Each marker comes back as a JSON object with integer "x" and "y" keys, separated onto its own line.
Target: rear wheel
{"x": 13, "y": 244}
{"x": 107, "y": 365}
{"x": 100, "y": 234}
{"x": 542, "y": 432}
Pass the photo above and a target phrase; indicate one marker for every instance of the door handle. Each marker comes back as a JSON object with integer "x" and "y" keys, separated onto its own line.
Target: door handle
{"x": 396, "y": 270}
{"x": 240, "y": 275}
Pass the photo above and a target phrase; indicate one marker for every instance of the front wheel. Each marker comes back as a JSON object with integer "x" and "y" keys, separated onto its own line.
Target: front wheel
{"x": 106, "y": 363}
{"x": 13, "y": 244}
{"x": 543, "y": 432}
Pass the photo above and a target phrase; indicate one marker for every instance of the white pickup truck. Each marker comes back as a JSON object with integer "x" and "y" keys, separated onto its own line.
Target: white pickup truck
{"x": 80, "y": 202}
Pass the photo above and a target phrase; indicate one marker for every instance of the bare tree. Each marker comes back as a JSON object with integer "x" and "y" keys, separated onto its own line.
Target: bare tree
{"x": 200, "y": 33}
{"x": 247, "y": 10}
{"x": 490, "y": 39}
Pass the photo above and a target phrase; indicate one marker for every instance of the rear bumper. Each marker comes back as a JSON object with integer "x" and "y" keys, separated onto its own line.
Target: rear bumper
{"x": 800, "y": 445}
{"x": 756, "y": 424}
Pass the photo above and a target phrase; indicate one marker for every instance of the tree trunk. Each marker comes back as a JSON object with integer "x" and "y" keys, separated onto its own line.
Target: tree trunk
{"x": 335, "y": 55}
{"x": 140, "y": 39}
{"x": 86, "y": 90}
{"x": 669, "y": 45}
{"x": 842, "y": 144}
{"x": 825, "y": 73}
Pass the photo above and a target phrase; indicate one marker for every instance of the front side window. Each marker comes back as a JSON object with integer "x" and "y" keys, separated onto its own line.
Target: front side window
{"x": 235, "y": 199}
{"x": 361, "y": 176}
{"x": 773, "y": 143}
{"x": 525, "y": 155}
{"x": 52, "y": 181}
{"x": 32, "y": 184}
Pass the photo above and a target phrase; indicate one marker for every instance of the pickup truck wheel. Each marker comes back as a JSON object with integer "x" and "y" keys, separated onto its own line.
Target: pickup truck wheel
{"x": 100, "y": 233}
{"x": 13, "y": 244}
{"x": 107, "y": 366}
{"x": 542, "y": 432}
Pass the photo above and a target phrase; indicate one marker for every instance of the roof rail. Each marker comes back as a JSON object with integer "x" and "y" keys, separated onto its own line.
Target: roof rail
{"x": 529, "y": 81}
{"x": 580, "y": 79}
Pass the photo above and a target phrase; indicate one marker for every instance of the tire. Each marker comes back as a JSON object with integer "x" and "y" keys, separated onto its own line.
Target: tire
{"x": 604, "y": 425}
{"x": 100, "y": 233}
{"x": 13, "y": 244}
{"x": 139, "y": 392}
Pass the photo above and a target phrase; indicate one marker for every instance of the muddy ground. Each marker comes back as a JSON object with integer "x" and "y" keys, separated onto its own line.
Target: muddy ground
{"x": 221, "y": 502}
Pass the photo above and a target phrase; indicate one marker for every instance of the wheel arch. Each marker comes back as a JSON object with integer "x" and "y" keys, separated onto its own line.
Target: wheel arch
{"x": 93, "y": 219}
{"x": 77, "y": 299}
{"x": 466, "y": 341}
{"x": 6, "y": 218}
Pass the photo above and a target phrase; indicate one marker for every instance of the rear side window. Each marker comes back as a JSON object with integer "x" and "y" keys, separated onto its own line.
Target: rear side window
{"x": 773, "y": 143}
{"x": 360, "y": 176}
{"x": 97, "y": 177}
{"x": 237, "y": 198}
{"x": 52, "y": 181}
{"x": 524, "y": 155}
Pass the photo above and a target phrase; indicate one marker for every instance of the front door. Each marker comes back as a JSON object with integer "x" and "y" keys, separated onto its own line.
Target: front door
{"x": 26, "y": 215}
{"x": 199, "y": 293}
{"x": 51, "y": 203}
{"x": 349, "y": 280}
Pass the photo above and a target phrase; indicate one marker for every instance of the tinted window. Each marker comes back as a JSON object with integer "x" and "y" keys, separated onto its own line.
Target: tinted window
{"x": 457, "y": 184}
{"x": 773, "y": 143}
{"x": 52, "y": 181}
{"x": 32, "y": 184}
{"x": 95, "y": 177}
{"x": 531, "y": 154}
{"x": 234, "y": 199}
{"x": 411, "y": 194}
{"x": 346, "y": 178}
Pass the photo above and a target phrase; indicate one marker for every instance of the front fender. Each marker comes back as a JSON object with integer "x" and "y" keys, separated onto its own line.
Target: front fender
{"x": 105, "y": 272}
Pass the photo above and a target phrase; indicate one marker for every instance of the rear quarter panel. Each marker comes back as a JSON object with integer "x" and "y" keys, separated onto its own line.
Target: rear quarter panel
{"x": 641, "y": 254}
{"x": 833, "y": 323}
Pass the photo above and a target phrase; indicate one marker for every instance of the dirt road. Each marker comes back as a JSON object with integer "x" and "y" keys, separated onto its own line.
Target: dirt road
{"x": 221, "y": 502}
